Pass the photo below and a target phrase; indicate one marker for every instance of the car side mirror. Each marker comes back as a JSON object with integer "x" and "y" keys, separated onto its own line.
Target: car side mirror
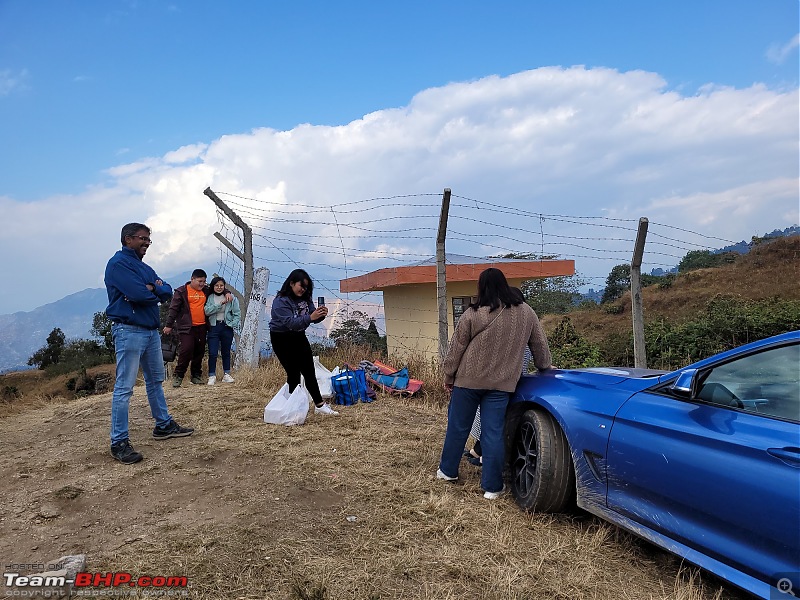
{"x": 684, "y": 384}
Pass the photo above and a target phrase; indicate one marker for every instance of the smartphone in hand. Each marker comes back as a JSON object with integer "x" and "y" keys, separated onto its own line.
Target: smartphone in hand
{"x": 320, "y": 301}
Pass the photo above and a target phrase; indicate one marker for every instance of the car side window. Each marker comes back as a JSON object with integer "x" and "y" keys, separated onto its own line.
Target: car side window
{"x": 766, "y": 383}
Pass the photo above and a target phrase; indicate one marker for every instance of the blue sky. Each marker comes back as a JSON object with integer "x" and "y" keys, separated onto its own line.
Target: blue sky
{"x": 104, "y": 105}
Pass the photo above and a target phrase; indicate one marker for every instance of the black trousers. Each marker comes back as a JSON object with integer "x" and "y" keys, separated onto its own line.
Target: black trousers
{"x": 294, "y": 353}
{"x": 192, "y": 348}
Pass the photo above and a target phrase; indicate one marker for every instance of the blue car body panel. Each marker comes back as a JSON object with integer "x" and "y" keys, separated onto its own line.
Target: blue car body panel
{"x": 715, "y": 484}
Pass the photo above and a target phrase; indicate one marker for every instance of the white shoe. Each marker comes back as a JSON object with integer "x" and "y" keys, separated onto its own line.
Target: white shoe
{"x": 325, "y": 409}
{"x": 212, "y": 380}
{"x": 228, "y": 378}
{"x": 440, "y": 475}
{"x": 495, "y": 495}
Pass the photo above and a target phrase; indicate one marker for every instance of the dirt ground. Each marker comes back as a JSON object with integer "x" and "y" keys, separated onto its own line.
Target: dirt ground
{"x": 340, "y": 507}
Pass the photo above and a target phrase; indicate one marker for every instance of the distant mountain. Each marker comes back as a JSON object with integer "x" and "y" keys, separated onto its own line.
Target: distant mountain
{"x": 744, "y": 247}
{"x": 23, "y": 333}
{"x": 739, "y": 247}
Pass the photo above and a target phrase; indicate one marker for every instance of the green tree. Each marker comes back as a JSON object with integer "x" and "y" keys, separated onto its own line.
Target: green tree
{"x": 51, "y": 353}
{"x": 83, "y": 352}
{"x": 358, "y": 330}
{"x": 101, "y": 327}
{"x": 553, "y": 295}
{"x": 374, "y": 338}
{"x": 352, "y": 330}
{"x": 618, "y": 280}
{"x": 549, "y": 295}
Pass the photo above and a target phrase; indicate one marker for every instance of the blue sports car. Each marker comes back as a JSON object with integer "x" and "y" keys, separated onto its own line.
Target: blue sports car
{"x": 703, "y": 461}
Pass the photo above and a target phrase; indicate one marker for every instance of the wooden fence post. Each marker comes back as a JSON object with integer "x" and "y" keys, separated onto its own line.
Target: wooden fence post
{"x": 639, "y": 351}
{"x": 441, "y": 275}
{"x": 245, "y": 255}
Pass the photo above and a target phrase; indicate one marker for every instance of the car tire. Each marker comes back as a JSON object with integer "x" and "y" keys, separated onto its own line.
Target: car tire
{"x": 541, "y": 465}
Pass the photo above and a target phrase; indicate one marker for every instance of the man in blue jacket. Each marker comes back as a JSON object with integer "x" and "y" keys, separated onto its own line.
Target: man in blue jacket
{"x": 134, "y": 293}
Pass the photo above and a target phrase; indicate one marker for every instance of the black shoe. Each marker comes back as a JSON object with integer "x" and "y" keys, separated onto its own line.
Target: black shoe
{"x": 124, "y": 453}
{"x": 197, "y": 381}
{"x": 475, "y": 461}
{"x": 171, "y": 430}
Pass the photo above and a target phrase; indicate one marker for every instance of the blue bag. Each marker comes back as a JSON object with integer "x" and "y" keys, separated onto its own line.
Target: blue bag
{"x": 397, "y": 380}
{"x": 350, "y": 386}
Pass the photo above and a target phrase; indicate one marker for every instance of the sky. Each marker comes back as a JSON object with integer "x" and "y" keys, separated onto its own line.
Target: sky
{"x": 332, "y": 129}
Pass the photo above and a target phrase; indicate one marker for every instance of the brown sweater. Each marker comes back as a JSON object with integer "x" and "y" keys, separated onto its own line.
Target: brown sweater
{"x": 492, "y": 359}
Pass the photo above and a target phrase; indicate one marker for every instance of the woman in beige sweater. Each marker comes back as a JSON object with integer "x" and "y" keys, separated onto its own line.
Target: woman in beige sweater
{"x": 482, "y": 368}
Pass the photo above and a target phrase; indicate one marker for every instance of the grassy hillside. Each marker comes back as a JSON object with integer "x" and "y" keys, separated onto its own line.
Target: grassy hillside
{"x": 765, "y": 280}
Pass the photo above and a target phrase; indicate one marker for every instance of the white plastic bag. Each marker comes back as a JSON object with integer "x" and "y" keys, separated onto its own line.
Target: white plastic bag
{"x": 286, "y": 408}
{"x": 323, "y": 379}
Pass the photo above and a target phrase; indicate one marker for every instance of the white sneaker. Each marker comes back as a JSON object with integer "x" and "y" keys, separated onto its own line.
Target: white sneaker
{"x": 495, "y": 495}
{"x": 212, "y": 380}
{"x": 440, "y": 475}
{"x": 325, "y": 409}
{"x": 228, "y": 378}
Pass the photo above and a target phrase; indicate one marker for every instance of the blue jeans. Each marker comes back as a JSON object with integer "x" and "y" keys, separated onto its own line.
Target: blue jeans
{"x": 135, "y": 347}
{"x": 464, "y": 403}
{"x": 220, "y": 335}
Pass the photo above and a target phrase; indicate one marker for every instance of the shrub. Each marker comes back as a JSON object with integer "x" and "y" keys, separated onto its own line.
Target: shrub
{"x": 10, "y": 392}
{"x": 79, "y": 354}
{"x": 83, "y": 384}
{"x": 617, "y": 350}
{"x": 705, "y": 259}
{"x": 666, "y": 281}
{"x": 728, "y": 322}
{"x": 570, "y": 350}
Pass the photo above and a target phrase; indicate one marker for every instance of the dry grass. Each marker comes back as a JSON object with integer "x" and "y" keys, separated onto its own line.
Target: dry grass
{"x": 339, "y": 508}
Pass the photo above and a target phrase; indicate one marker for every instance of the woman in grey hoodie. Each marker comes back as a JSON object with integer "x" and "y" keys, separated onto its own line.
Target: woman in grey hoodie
{"x": 292, "y": 312}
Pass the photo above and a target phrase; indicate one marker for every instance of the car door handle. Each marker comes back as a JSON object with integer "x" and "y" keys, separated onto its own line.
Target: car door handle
{"x": 789, "y": 455}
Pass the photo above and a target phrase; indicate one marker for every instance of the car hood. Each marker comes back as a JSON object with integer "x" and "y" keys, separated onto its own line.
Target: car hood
{"x": 614, "y": 374}
{"x": 624, "y": 381}
{"x": 605, "y": 376}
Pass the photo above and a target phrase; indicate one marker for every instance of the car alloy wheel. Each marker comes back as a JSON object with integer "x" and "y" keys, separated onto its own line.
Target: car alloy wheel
{"x": 543, "y": 476}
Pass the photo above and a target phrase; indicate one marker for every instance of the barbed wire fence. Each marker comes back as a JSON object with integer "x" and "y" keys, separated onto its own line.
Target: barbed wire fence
{"x": 339, "y": 240}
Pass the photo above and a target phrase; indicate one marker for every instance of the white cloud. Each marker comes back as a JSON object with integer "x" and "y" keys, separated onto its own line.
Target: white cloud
{"x": 778, "y": 54}
{"x": 185, "y": 154}
{"x": 725, "y": 211}
{"x": 13, "y": 81}
{"x": 573, "y": 142}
